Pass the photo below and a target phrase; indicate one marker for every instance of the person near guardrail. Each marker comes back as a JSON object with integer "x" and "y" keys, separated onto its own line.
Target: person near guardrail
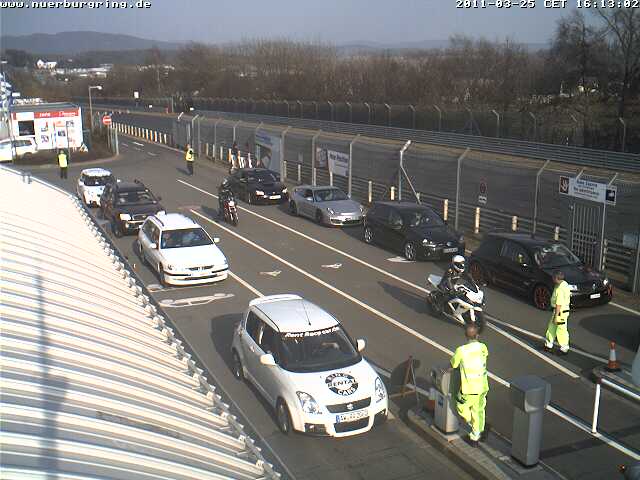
{"x": 62, "y": 163}
{"x": 557, "y": 329}
{"x": 471, "y": 360}
{"x": 189, "y": 156}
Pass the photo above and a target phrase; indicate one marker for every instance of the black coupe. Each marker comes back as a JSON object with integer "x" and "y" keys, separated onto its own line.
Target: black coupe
{"x": 258, "y": 185}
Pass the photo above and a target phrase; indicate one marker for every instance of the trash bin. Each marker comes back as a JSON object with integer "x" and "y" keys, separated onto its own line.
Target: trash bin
{"x": 446, "y": 382}
{"x": 530, "y": 395}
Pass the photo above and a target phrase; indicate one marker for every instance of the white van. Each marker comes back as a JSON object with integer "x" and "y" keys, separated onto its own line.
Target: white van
{"x": 21, "y": 147}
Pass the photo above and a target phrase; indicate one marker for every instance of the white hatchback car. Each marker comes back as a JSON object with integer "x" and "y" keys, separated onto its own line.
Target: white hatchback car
{"x": 19, "y": 148}
{"x": 307, "y": 367}
{"x": 181, "y": 251}
{"x": 91, "y": 184}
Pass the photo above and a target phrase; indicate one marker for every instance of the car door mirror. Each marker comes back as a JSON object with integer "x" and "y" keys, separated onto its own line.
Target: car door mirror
{"x": 153, "y": 246}
{"x": 360, "y": 344}
{"x": 268, "y": 360}
{"x": 216, "y": 239}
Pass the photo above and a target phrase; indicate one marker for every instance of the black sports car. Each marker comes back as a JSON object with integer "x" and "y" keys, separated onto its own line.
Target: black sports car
{"x": 415, "y": 230}
{"x": 258, "y": 185}
{"x": 127, "y": 204}
{"x": 525, "y": 265}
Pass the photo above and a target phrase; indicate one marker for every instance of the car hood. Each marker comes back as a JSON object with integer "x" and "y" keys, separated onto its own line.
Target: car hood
{"x": 576, "y": 274}
{"x": 337, "y": 386}
{"x": 195, "y": 256}
{"x": 341, "y": 206}
{"x": 147, "y": 208}
{"x": 440, "y": 234}
{"x": 93, "y": 190}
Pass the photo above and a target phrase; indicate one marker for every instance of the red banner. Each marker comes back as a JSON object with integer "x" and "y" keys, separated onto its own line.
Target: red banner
{"x": 60, "y": 113}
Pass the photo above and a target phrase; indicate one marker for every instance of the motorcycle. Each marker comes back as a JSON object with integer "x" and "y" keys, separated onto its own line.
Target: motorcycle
{"x": 230, "y": 211}
{"x": 466, "y": 307}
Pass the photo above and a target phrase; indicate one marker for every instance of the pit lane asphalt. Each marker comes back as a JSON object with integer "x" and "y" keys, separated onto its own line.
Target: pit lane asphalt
{"x": 565, "y": 448}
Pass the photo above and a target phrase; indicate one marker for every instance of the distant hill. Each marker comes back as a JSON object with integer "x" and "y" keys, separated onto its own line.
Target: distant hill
{"x": 72, "y": 43}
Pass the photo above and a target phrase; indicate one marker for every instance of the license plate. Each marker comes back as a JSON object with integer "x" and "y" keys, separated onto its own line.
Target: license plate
{"x": 352, "y": 416}
{"x": 594, "y": 296}
{"x": 450, "y": 250}
{"x": 274, "y": 197}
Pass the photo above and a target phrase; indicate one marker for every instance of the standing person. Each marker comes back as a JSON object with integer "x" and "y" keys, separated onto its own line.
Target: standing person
{"x": 560, "y": 303}
{"x": 471, "y": 360}
{"x": 189, "y": 157}
{"x": 62, "y": 163}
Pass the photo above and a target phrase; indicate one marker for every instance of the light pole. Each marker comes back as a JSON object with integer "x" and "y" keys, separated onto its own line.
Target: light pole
{"x": 92, "y": 87}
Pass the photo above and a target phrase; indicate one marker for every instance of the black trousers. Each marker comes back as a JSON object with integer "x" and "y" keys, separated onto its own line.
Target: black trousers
{"x": 63, "y": 172}
{"x": 190, "y": 167}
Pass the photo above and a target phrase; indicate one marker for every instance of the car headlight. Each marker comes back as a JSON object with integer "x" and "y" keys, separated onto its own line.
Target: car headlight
{"x": 161, "y": 212}
{"x": 361, "y": 209}
{"x": 259, "y": 192}
{"x": 573, "y": 288}
{"x": 605, "y": 282}
{"x": 125, "y": 216}
{"x": 330, "y": 210}
{"x": 428, "y": 243}
{"x": 380, "y": 390}
{"x": 308, "y": 403}
{"x": 284, "y": 190}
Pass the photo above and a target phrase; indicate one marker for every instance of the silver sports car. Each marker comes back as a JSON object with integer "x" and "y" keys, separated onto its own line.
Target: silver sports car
{"x": 325, "y": 205}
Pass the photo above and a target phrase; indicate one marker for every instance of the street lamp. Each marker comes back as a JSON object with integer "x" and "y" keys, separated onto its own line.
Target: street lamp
{"x": 92, "y": 87}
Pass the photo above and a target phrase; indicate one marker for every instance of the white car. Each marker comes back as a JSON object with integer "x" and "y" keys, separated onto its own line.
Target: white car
{"x": 21, "y": 147}
{"x": 91, "y": 184}
{"x": 306, "y": 366}
{"x": 181, "y": 251}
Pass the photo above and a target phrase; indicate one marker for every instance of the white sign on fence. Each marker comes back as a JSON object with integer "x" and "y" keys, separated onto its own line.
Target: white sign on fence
{"x": 338, "y": 162}
{"x": 588, "y": 190}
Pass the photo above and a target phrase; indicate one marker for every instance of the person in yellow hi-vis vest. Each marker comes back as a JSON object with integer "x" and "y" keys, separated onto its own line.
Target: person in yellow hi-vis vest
{"x": 560, "y": 303}
{"x": 189, "y": 157}
{"x": 62, "y": 163}
{"x": 471, "y": 360}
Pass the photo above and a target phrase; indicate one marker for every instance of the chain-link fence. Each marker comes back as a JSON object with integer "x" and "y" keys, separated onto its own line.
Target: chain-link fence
{"x": 476, "y": 192}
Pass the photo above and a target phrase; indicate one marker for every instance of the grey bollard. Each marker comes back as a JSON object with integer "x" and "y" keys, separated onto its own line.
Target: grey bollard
{"x": 530, "y": 395}
{"x": 446, "y": 382}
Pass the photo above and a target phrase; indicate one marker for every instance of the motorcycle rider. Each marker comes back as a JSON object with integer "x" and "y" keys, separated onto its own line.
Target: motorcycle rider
{"x": 455, "y": 274}
{"x": 225, "y": 194}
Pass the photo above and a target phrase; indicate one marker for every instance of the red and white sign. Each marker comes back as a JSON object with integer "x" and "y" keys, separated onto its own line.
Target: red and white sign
{"x": 58, "y": 114}
{"x": 51, "y": 129}
{"x": 106, "y": 120}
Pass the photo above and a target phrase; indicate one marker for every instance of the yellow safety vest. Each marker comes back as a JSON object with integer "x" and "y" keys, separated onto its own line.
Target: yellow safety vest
{"x": 471, "y": 359}
{"x": 561, "y": 296}
{"x": 189, "y": 155}
{"x": 62, "y": 160}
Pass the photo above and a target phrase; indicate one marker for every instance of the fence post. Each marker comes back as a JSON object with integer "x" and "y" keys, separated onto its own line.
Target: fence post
{"x": 393, "y": 192}
{"x": 355, "y": 139}
{"x": 445, "y": 209}
{"x": 413, "y": 116}
{"x": 556, "y": 233}
{"x": 199, "y": 138}
{"x": 401, "y": 168}
{"x": 283, "y": 164}
{"x": 535, "y": 199}
{"x": 388, "y": 107}
{"x": 299, "y": 173}
{"x": 313, "y": 157}
{"x": 476, "y": 226}
{"x": 439, "y": 117}
{"x": 604, "y": 254}
{"x": 497, "y": 123}
{"x": 330, "y": 178}
{"x": 514, "y": 223}
{"x": 234, "y": 129}
{"x": 460, "y": 158}
{"x": 284, "y": 169}
{"x": 370, "y": 189}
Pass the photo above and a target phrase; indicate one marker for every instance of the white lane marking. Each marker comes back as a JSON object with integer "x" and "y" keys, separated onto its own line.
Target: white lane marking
{"x": 626, "y": 309}
{"x": 124, "y": 144}
{"x": 138, "y": 149}
{"x": 245, "y": 284}
{"x": 542, "y": 357}
{"x": 275, "y": 273}
{"x": 194, "y": 301}
{"x": 152, "y": 154}
{"x": 573, "y": 421}
{"x": 399, "y": 260}
{"x": 139, "y": 144}
{"x": 334, "y": 266}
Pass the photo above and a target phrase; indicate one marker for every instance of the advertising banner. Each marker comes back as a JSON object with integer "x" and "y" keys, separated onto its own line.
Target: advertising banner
{"x": 588, "y": 190}
{"x": 336, "y": 162}
{"x": 268, "y": 151}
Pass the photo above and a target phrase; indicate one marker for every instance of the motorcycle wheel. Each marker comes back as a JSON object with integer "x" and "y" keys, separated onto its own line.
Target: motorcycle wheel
{"x": 234, "y": 218}
{"x": 433, "y": 304}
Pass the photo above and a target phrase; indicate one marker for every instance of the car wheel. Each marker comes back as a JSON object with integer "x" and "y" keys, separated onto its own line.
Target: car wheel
{"x": 293, "y": 208}
{"x": 163, "y": 281}
{"x": 116, "y": 228}
{"x": 141, "y": 254}
{"x": 319, "y": 219}
{"x": 541, "y": 297}
{"x": 478, "y": 273}
{"x": 238, "y": 372}
{"x": 283, "y": 417}
{"x": 410, "y": 251}
{"x": 368, "y": 235}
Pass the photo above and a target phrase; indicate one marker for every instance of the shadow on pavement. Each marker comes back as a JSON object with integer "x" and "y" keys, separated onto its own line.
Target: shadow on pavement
{"x": 622, "y": 329}
{"x": 413, "y": 300}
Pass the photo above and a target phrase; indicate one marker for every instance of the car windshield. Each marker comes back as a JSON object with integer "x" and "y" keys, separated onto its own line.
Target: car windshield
{"x": 188, "y": 237}
{"x": 262, "y": 177}
{"x": 555, "y": 255}
{"x": 318, "y": 350}
{"x": 330, "y": 195}
{"x": 423, "y": 217}
{"x": 102, "y": 180}
{"x": 135, "y": 196}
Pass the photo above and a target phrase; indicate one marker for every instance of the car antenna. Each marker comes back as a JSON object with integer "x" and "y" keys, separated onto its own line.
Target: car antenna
{"x": 306, "y": 313}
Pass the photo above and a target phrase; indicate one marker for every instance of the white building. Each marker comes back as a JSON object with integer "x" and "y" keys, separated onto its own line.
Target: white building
{"x": 51, "y": 125}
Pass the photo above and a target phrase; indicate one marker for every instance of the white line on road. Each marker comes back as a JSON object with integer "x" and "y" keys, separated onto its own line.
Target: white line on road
{"x": 573, "y": 421}
{"x": 139, "y": 144}
{"x": 247, "y": 285}
{"x": 152, "y": 154}
{"x": 519, "y": 342}
{"x": 626, "y": 309}
{"x": 138, "y": 149}
{"x": 124, "y": 144}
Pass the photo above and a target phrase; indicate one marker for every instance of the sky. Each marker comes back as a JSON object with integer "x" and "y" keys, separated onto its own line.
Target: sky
{"x": 332, "y": 21}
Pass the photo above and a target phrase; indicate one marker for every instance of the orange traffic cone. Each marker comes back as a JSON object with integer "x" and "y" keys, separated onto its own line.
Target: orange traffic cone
{"x": 613, "y": 365}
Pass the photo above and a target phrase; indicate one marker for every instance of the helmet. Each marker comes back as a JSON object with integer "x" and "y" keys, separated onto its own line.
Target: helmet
{"x": 225, "y": 183}
{"x": 458, "y": 263}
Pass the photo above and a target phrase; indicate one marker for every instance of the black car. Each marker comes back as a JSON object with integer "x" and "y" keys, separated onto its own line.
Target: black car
{"x": 126, "y": 205}
{"x": 258, "y": 185}
{"x": 415, "y": 230}
{"x": 525, "y": 265}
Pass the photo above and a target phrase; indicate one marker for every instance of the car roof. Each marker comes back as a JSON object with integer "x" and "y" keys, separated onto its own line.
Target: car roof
{"x": 174, "y": 221}
{"x": 317, "y": 187}
{"x": 294, "y": 314}
{"x": 524, "y": 238}
{"x": 402, "y": 205}
{"x": 96, "y": 172}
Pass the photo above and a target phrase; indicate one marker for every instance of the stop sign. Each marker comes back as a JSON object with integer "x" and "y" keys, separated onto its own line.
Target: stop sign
{"x": 106, "y": 120}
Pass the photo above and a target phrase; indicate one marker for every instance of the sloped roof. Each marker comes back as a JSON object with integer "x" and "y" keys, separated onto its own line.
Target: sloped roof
{"x": 93, "y": 384}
